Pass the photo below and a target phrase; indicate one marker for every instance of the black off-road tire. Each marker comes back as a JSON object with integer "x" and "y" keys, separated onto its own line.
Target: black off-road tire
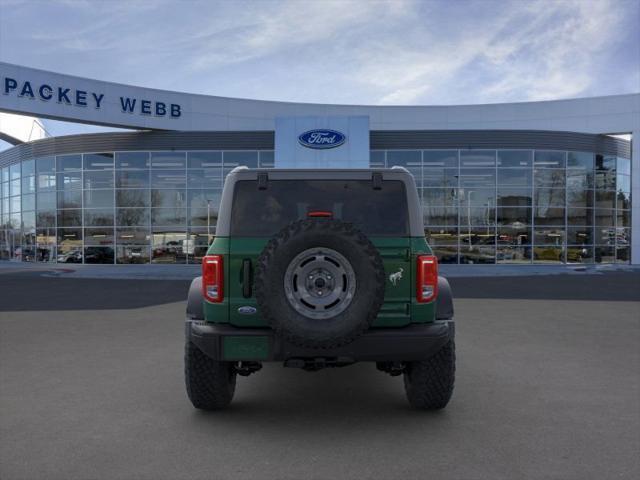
{"x": 429, "y": 383}
{"x": 346, "y": 326}
{"x": 210, "y": 384}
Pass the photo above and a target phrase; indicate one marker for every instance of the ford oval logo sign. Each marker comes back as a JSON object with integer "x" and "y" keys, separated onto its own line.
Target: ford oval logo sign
{"x": 322, "y": 138}
{"x": 247, "y": 310}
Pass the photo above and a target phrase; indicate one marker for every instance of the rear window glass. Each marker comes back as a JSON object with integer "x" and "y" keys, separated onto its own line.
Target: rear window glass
{"x": 265, "y": 212}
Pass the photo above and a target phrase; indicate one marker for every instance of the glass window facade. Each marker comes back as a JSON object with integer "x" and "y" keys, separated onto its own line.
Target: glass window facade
{"x": 479, "y": 206}
{"x": 521, "y": 206}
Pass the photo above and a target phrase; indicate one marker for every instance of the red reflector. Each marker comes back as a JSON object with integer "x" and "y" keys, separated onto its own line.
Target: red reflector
{"x": 427, "y": 278}
{"x": 320, "y": 213}
{"x": 212, "y": 278}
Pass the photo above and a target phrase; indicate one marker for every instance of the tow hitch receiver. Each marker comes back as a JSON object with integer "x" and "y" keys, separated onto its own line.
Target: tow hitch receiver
{"x": 245, "y": 369}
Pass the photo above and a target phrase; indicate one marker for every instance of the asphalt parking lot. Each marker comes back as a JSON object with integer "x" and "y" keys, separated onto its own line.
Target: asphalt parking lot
{"x": 548, "y": 386}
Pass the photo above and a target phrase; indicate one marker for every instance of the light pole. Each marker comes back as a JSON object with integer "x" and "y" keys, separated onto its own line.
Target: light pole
{"x": 469, "y": 217}
{"x": 208, "y": 220}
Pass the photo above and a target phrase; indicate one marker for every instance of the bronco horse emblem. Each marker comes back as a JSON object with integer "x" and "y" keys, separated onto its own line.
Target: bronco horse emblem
{"x": 395, "y": 277}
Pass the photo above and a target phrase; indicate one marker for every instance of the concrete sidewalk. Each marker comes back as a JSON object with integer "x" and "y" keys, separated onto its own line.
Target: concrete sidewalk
{"x": 186, "y": 272}
{"x": 141, "y": 272}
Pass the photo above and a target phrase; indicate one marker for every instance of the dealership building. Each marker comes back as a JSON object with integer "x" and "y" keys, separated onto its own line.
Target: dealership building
{"x": 516, "y": 183}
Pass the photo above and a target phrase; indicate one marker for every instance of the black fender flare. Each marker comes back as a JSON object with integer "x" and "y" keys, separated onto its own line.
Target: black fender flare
{"x": 444, "y": 302}
{"x": 195, "y": 309}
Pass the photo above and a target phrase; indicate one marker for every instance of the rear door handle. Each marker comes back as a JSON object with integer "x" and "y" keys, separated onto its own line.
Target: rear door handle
{"x": 246, "y": 278}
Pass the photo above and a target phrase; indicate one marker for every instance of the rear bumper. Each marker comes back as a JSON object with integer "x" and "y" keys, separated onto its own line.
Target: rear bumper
{"x": 229, "y": 343}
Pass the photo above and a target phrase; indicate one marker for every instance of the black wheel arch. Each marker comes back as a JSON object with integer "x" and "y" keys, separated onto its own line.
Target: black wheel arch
{"x": 195, "y": 308}
{"x": 444, "y": 302}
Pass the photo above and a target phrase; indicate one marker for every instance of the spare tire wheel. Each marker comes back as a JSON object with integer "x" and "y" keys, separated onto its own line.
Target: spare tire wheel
{"x": 319, "y": 283}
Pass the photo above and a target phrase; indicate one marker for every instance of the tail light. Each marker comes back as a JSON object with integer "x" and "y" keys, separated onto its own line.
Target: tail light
{"x": 319, "y": 214}
{"x": 213, "y": 278}
{"x": 427, "y": 278}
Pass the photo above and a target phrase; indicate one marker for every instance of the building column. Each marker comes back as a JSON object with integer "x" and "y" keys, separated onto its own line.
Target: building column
{"x": 635, "y": 197}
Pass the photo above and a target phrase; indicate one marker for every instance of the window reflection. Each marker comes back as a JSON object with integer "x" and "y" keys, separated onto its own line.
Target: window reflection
{"x": 623, "y": 254}
{"x": 446, "y": 254}
{"x": 437, "y": 236}
{"x": 581, "y": 160}
{"x": 97, "y": 161}
{"x": 132, "y": 179}
{"x": 477, "y": 177}
{"x": 208, "y": 160}
{"x": 69, "y": 245}
{"x": 511, "y": 254}
{"x": 169, "y": 217}
{"x": 98, "y": 179}
{"x": 69, "y": 180}
{"x": 168, "y": 179}
{"x": 439, "y": 159}
{"x": 439, "y": 196}
{"x": 549, "y": 236}
{"x": 548, "y": 254}
{"x": 514, "y": 234}
{"x": 514, "y": 176}
{"x": 605, "y": 254}
{"x": 514, "y": 216}
{"x": 440, "y": 177}
{"x": 579, "y": 198}
{"x": 582, "y": 254}
{"x": 95, "y": 217}
{"x": 132, "y": 160}
{"x": 514, "y": 197}
{"x": 174, "y": 198}
{"x": 133, "y": 217}
{"x": 68, "y": 162}
{"x": 132, "y": 254}
{"x": 102, "y": 254}
{"x": 477, "y": 158}
{"x": 479, "y": 206}
{"x": 133, "y": 198}
{"x": 551, "y": 178}
{"x": 198, "y": 242}
{"x": 444, "y": 215}
{"x": 175, "y": 160}
{"x": 514, "y": 158}
{"x": 169, "y": 246}
{"x": 580, "y": 235}
{"x": 409, "y": 159}
{"x": 549, "y": 159}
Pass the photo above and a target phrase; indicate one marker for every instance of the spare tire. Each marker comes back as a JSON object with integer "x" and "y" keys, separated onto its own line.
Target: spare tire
{"x": 319, "y": 283}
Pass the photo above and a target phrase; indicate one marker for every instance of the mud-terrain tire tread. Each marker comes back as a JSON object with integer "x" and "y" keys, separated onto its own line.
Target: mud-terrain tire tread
{"x": 210, "y": 384}
{"x": 429, "y": 383}
{"x": 336, "y": 228}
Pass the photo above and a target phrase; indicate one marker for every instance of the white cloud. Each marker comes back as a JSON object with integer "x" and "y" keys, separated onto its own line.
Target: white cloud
{"x": 386, "y": 52}
{"x": 531, "y": 51}
{"x": 553, "y": 55}
{"x": 267, "y": 31}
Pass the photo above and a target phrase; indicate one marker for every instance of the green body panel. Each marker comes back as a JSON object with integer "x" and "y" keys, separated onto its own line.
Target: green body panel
{"x": 241, "y": 249}
{"x": 398, "y": 255}
{"x": 245, "y": 348}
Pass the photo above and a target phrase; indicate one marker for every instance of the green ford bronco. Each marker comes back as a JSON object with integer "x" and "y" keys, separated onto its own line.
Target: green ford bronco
{"x": 315, "y": 269}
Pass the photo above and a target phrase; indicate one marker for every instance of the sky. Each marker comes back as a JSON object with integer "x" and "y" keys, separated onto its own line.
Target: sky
{"x": 395, "y": 52}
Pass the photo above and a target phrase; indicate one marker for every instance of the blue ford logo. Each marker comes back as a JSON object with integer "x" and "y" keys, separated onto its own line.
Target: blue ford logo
{"x": 322, "y": 138}
{"x": 247, "y": 310}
